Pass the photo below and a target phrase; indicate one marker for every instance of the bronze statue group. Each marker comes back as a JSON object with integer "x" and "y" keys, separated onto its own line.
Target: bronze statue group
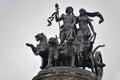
{"x": 75, "y": 48}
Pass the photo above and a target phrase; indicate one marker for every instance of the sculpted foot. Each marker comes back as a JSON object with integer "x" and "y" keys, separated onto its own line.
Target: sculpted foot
{"x": 48, "y": 66}
{"x": 72, "y": 65}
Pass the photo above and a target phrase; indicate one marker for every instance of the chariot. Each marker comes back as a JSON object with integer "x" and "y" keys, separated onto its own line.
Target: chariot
{"x": 92, "y": 58}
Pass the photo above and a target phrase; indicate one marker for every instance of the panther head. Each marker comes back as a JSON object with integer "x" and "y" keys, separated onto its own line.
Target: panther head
{"x": 40, "y": 37}
{"x": 53, "y": 41}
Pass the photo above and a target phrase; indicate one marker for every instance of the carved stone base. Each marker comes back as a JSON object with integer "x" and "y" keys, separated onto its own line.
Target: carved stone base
{"x": 64, "y": 73}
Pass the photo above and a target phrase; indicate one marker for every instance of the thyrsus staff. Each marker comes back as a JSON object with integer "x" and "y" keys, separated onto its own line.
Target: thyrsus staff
{"x": 51, "y": 18}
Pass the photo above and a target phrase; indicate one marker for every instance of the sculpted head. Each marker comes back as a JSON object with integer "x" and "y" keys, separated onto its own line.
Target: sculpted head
{"x": 53, "y": 41}
{"x": 69, "y": 10}
{"x": 82, "y": 10}
{"x": 40, "y": 37}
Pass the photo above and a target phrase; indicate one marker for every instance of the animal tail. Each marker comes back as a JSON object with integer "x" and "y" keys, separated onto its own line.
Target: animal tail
{"x": 94, "y": 50}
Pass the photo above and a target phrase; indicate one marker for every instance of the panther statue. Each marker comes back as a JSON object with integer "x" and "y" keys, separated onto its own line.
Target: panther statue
{"x": 53, "y": 50}
{"x": 41, "y": 49}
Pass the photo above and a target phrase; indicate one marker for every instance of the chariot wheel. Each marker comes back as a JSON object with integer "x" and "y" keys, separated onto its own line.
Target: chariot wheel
{"x": 98, "y": 64}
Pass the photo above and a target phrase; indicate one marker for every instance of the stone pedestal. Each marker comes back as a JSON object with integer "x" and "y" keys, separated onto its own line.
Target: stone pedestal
{"x": 64, "y": 73}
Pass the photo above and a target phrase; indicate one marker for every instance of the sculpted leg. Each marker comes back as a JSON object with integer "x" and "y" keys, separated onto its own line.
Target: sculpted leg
{"x": 73, "y": 61}
{"x": 62, "y": 37}
{"x": 92, "y": 62}
{"x": 50, "y": 58}
{"x": 43, "y": 64}
{"x": 49, "y": 63}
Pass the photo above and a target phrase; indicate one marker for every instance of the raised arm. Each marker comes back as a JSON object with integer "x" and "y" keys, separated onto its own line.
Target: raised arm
{"x": 57, "y": 18}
